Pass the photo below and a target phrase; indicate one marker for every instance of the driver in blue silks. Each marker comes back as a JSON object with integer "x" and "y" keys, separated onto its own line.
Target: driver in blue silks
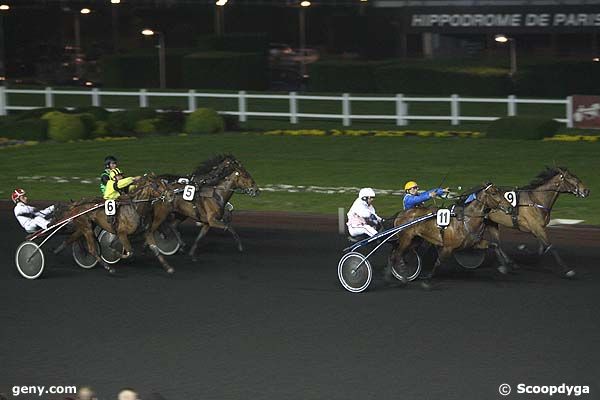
{"x": 414, "y": 199}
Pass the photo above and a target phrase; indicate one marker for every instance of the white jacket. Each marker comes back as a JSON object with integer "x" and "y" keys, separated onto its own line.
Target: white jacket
{"x": 360, "y": 212}
{"x": 27, "y": 214}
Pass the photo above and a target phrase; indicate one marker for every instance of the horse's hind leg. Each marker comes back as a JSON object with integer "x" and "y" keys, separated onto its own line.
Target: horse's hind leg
{"x": 203, "y": 231}
{"x": 71, "y": 239}
{"x": 90, "y": 240}
{"x": 443, "y": 254}
{"x": 396, "y": 260}
{"x": 151, "y": 242}
{"x": 505, "y": 261}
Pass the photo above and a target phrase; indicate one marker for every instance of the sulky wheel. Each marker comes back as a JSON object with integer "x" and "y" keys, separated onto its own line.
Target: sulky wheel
{"x": 166, "y": 240}
{"x": 355, "y": 272}
{"x": 29, "y": 260}
{"x": 82, "y": 256}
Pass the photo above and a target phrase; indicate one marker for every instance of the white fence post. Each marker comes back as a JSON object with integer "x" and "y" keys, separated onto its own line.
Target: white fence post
{"x": 95, "y": 97}
{"x": 191, "y": 100}
{"x": 143, "y": 98}
{"x": 49, "y": 97}
{"x": 569, "y": 111}
{"x": 455, "y": 109}
{"x": 341, "y": 220}
{"x": 242, "y": 106}
{"x": 400, "y": 110}
{"x": 512, "y": 106}
{"x": 2, "y": 100}
{"x": 293, "y": 108}
{"x": 346, "y": 109}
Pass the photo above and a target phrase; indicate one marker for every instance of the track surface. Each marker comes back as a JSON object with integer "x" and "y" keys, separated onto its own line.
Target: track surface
{"x": 274, "y": 323}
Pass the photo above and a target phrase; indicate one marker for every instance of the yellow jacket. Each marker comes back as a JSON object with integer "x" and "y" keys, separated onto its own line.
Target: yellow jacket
{"x": 111, "y": 192}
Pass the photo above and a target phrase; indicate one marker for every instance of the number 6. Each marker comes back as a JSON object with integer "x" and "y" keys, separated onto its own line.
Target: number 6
{"x": 110, "y": 207}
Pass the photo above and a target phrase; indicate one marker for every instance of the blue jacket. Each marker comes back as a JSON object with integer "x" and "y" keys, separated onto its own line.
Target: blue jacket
{"x": 411, "y": 201}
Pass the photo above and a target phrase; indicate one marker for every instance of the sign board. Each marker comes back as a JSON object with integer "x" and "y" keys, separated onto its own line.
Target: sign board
{"x": 586, "y": 112}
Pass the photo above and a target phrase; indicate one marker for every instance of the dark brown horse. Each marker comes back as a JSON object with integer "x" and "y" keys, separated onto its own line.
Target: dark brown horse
{"x": 465, "y": 229}
{"x": 533, "y": 208}
{"x": 143, "y": 210}
{"x": 221, "y": 177}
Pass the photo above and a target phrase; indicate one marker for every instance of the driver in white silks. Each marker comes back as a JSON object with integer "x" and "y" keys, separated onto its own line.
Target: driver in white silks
{"x": 362, "y": 218}
{"x": 30, "y": 218}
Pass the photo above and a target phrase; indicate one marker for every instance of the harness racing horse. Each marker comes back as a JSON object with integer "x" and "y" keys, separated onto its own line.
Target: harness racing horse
{"x": 215, "y": 182}
{"x": 144, "y": 209}
{"x": 464, "y": 231}
{"x": 534, "y": 204}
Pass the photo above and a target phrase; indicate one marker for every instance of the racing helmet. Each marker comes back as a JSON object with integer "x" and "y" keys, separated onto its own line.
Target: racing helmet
{"x": 108, "y": 160}
{"x": 16, "y": 194}
{"x": 366, "y": 192}
{"x": 410, "y": 184}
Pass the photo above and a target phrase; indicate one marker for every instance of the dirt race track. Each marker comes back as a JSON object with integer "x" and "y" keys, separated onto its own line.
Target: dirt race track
{"x": 273, "y": 322}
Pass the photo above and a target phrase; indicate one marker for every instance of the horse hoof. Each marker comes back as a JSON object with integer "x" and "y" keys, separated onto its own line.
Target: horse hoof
{"x": 521, "y": 247}
{"x": 170, "y": 271}
{"x": 570, "y": 273}
{"x": 240, "y": 249}
{"x": 110, "y": 270}
{"x": 426, "y": 285}
{"x": 503, "y": 270}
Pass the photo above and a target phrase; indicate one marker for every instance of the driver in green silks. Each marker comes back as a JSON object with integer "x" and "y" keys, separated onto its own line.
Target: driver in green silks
{"x": 112, "y": 181}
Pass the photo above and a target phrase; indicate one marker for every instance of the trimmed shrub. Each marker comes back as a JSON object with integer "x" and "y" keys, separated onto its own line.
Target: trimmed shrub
{"x": 37, "y": 113}
{"x": 171, "y": 121}
{"x": 89, "y": 123}
{"x": 123, "y": 122}
{"x": 204, "y": 120}
{"x": 522, "y": 127}
{"x": 26, "y": 129}
{"x": 146, "y": 126}
{"x": 99, "y": 113}
{"x": 64, "y": 127}
{"x": 222, "y": 70}
{"x": 101, "y": 129}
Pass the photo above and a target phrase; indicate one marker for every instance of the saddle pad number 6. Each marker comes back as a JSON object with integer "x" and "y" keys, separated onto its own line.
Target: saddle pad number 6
{"x": 511, "y": 197}
{"x": 188, "y": 192}
{"x": 443, "y": 217}
{"x": 110, "y": 207}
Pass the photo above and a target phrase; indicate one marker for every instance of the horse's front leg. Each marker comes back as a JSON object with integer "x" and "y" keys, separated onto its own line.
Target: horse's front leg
{"x": 214, "y": 223}
{"x": 545, "y": 246}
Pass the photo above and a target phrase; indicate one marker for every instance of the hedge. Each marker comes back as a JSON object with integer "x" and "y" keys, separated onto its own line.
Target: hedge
{"x": 123, "y": 122}
{"x": 204, "y": 120}
{"x": 64, "y": 127}
{"x": 225, "y": 70}
{"x": 25, "y": 129}
{"x": 558, "y": 79}
{"x": 522, "y": 127}
{"x": 346, "y": 76}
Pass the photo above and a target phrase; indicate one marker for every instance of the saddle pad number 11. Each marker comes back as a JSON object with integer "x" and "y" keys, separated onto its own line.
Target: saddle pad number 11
{"x": 110, "y": 207}
{"x": 511, "y": 197}
{"x": 188, "y": 192}
{"x": 443, "y": 217}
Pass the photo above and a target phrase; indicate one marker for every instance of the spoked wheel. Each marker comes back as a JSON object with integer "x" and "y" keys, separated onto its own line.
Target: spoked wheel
{"x": 470, "y": 258}
{"x": 413, "y": 266}
{"x": 29, "y": 260}
{"x": 355, "y": 272}
{"x": 166, "y": 240}
{"x": 111, "y": 248}
{"x": 82, "y": 256}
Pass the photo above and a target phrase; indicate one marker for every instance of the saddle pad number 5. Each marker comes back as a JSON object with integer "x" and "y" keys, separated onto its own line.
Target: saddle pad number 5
{"x": 110, "y": 207}
{"x": 443, "y": 217}
{"x": 511, "y": 197}
{"x": 188, "y": 192}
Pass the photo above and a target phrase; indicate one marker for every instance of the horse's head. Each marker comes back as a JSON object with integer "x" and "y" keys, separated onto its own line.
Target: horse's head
{"x": 242, "y": 179}
{"x": 567, "y": 182}
{"x": 493, "y": 198}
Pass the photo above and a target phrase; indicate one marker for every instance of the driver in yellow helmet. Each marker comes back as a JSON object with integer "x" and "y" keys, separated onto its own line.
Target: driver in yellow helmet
{"x": 414, "y": 199}
{"x": 113, "y": 182}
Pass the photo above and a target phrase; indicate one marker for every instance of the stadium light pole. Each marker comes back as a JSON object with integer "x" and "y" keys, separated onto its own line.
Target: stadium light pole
{"x": 161, "y": 55}
{"x": 115, "y": 24}
{"x": 302, "y": 25}
{"x": 513, "y": 51}
{"x": 220, "y": 17}
{"x": 3, "y": 9}
{"x": 77, "y": 28}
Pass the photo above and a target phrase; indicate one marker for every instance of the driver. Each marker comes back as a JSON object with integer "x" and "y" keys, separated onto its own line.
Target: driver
{"x": 112, "y": 180}
{"x": 413, "y": 199}
{"x": 30, "y": 218}
{"x": 362, "y": 218}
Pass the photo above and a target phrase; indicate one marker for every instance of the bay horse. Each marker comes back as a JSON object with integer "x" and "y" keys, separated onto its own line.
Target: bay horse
{"x": 532, "y": 211}
{"x": 465, "y": 230}
{"x": 142, "y": 210}
{"x": 221, "y": 177}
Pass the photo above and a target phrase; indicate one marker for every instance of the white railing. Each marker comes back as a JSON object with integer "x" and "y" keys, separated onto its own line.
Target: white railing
{"x": 401, "y": 115}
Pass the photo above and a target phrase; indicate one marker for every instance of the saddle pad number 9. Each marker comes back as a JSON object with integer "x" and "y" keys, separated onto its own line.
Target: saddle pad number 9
{"x": 443, "y": 217}
{"x": 188, "y": 192}
{"x": 110, "y": 207}
{"x": 511, "y": 197}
